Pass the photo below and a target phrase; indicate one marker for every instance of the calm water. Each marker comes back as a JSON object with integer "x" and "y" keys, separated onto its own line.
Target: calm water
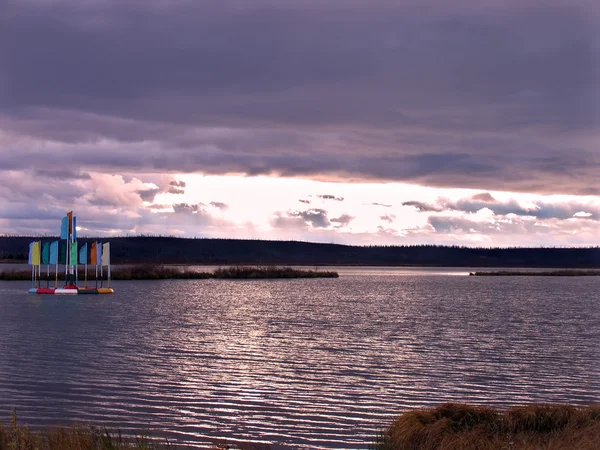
{"x": 305, "y": 363}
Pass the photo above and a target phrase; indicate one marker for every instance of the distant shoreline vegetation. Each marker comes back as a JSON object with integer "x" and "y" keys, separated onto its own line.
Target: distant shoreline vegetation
{"x": 159, "y": 272}
{"x": 531, "y": 273}
{"x": 227, "y": 252}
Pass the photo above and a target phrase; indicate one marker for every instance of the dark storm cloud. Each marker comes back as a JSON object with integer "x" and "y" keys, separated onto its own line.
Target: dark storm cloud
{"x": 539, "y": 209}
{"x": 148, "y": 195}
{"x": 331, "y": 197}
{"x": 27, "y": 188}
{"x": 422, "y": 206}
{"x": 381, "y": 204}
{"x": 315, "y": 218}
{"x": 472, "y": 206}
{"x": 484, "y": 197}
{"x": 62, "y": 173}
{"x": 186, "y": 208}
{"x": 219, "y": 205}
{"x": 343, "y": 220}
{"x": 174, "y": 187}
{"x": 447, "y": 225}
{"x": 388, "y": 218}
{"x": 528, "y": 230}
{"x": 174, "y": 190}
{"x": 500, "y": 96}
{"x": 28, "y": 212}
{"x": 283, "y": 221}
{"x": 307, "y": 202}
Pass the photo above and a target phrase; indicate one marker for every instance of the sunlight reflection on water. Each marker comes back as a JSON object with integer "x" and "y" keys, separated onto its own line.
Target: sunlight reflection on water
{"x": 319, "y": 363}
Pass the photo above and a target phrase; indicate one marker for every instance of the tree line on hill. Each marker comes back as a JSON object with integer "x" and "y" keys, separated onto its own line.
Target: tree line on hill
{"x": 172, "y": 250}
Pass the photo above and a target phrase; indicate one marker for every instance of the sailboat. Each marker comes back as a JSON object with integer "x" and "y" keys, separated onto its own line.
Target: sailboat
{"x": 51, "y": 253}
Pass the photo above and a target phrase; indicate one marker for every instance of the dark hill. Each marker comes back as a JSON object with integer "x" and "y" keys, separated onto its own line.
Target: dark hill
{"x": 170, "y": 250}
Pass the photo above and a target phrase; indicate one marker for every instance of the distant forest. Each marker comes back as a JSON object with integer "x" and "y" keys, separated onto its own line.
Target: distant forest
{"x": 171, "y": 250}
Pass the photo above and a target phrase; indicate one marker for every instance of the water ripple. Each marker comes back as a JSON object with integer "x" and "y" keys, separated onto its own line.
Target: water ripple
{"x": 304, "y": 363}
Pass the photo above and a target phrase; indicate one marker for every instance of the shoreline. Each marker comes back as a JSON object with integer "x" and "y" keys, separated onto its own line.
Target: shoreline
{"x": 151, "y": 272}
{"x": 447, "y": 425}
{"x": 547, "y": 273}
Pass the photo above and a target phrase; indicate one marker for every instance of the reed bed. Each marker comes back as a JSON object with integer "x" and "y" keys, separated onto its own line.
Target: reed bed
{"x": 271, "y": 272}
{"x": 462, "y": 427}
{"x": 15, "y": 436}
{"x": 157, "y": 272}
{"x": 547, "y": 273}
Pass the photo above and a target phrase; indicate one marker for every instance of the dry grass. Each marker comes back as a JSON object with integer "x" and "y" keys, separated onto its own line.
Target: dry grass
{"x": 270, "y": 272}
{"x": 19, "y": 437}
{"x": 463, "y": 427}
{"x": 543, "y": 273}
{"x": 15, "y": 436}
{"x": 158, "y": 272}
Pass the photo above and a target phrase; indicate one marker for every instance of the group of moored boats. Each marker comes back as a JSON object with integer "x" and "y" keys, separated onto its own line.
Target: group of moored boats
{"x": 69, "y": 254}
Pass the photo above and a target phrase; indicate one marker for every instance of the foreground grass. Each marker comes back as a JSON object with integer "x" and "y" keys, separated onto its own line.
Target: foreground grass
{"x": 152, "y": 272}
{"x": 462, "y": 427}
{"x": 19, "y": 437}
{"x": 548, "y": 273}
{"x": 446, "y": 427}
{"x": 15, "y": 436}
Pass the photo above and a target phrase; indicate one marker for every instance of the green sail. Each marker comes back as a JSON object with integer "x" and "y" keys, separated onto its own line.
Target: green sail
{"x": 73, "y": 261}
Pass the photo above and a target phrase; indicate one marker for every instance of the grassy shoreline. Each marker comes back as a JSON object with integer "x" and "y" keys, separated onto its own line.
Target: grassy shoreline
{"x": 156, "y": 272}
{"x": 547, "y": 273}
{"x": 461, "y": 427}
{"x": 449, "y": 426}
{"x": 15, "y": 436}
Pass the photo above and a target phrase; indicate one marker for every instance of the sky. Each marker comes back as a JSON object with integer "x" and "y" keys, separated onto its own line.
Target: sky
{"x": 387, "y": 122}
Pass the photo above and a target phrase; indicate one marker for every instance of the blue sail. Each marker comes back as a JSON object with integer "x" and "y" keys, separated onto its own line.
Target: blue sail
{"x": 64, "y": 228}
{"x": 30, "y": 258}
{"x": 54, "y": 252}
{"x": 83, "y": 257}
{"x": 99, "y": 254}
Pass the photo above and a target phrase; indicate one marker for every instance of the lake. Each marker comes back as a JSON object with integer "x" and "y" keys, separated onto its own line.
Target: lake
{"x": 320, "y": 363}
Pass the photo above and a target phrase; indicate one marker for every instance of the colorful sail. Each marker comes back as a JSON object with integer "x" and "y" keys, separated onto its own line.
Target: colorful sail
{"x": 98, "y": 254}
{"x": 64, "y": 228}
{"x": 46, "y": 253}
{"x": 65, "y": 251}
{"x": 83, "y": 254}
{"x": 106, "y": 254}
{"x": 94, "y": 253}
{"x": 70, "y": 220}
{"x": 54, "y": 253}
{"x": 62, "y": 253}
{"x": 34, "y": 253}
{"x": 73, "y": 255}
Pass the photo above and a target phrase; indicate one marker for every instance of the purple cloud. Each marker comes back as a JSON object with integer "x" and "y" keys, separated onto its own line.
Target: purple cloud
{"x": 343, "y": 220}
{"x": 219, "y": 205}
{"x": 503, "y": 97}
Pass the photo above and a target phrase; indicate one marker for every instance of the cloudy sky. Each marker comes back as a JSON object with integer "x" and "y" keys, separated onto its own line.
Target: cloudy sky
{"x": 472, "y": 122}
